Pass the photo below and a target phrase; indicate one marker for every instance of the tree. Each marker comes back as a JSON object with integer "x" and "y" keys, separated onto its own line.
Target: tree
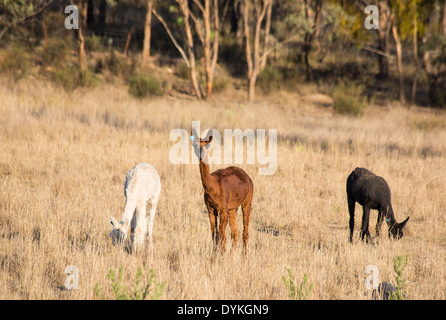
{"x": 19, "y": 11}
{"x": 147, "y": 34}
{"x": 399, "y": 51}
{"x": 434, "y": 50}
{"x": 255, "y": 57}
{"x": 207, "y": 30}
{"x": 383, "y": 40}
{"x": 82, "y": 56}
{"x": 311, "y": 34}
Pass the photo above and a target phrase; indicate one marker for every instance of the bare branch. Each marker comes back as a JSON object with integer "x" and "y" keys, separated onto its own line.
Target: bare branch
{"x": 183, "y": 54}
{"x": 199, "y": 5}
{"x": 23, "y": 19}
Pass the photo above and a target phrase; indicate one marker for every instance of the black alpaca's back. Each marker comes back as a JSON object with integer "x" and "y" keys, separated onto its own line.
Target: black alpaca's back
{"x": 368, "y": 189}
{"x": 371, "y": 192}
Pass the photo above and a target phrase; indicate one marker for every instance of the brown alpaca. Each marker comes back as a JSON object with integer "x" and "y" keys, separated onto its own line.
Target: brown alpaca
{"x": 224, "y": 191}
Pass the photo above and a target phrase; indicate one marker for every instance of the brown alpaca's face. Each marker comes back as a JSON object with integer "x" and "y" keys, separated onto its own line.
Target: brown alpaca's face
{"x": 201, "y": 147}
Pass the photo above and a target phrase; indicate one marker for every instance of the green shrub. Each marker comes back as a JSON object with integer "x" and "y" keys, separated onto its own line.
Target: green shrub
{"x": 94, "y": 43}
{"x": 270, "y": 79}
{"x": 55, "y": 52}
{"x": 399, "y": 264}
{"x": 302, "y": 292}
{"x": 120, "y": 291}
{"x": 115, "y": 64}
{"x": 348, "y": 99}
{"x": 220, "y": 83}
{"x": 71, "y": 77}
{"x": 182, "y": 70}
{"x": 141, "y": 86}
{"x": 16, "y": 62}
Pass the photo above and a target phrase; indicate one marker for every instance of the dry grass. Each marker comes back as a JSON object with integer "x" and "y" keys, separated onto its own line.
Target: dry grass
{"x": 64, "y": 158}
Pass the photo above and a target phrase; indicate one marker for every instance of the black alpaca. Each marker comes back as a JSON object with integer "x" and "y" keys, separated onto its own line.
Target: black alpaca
{"x": 372, "y": 192}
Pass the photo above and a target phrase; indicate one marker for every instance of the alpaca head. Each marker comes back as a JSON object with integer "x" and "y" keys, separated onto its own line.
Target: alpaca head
{"x": 397, "y": 230}
{"x": 118, "y": 234}
{"x": 201, "y": 146}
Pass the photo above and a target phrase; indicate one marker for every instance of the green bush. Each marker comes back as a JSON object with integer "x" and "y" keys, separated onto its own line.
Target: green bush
{"x": 399, "y": 264}
{"x": 348, "y": 99}
{"x": 55, "y": 52}
{"x": 94, "y": 43}
{"x": 120, "y": 291}
{"x": 16, "y": 62}
{"x": 115, "y": 64}
{"x": 270, "y": 79}
{"x": 301, "y": 292}
{"x": 182, "y": 70}
{"x": 141, "y": 86}
{"x": 71, "y": 77}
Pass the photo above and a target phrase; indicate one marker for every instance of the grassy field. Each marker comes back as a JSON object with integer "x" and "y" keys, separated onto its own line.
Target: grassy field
{"x": 64, "y": 158}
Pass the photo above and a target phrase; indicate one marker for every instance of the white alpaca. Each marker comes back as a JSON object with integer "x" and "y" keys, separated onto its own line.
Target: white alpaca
{"x": 142, "y": 188}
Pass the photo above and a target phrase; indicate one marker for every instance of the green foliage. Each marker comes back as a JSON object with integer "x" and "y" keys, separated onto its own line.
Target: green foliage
{"x": 114, "y": 63}
{"x": 399, "y": 264}
{"x": 141, "y": 86}
{"x": 302, "y": 292}
{"x": 220, "y": 83}
{"x": 55, "y": 52}
{"x": 94, "y": 43}
{"x": 16, "y": 63}
{"x": 348, "y": 21}
{"x": 269, "y": 79}
{"x": 120, "y": 291}
{"x": 17, "y": 9}
{"x": 71, "y": 77}
{"x": 182, "y": 70}
{"x": 348, "y": 99}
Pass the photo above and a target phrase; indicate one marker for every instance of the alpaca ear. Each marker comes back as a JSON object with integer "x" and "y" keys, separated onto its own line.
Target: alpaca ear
{"x": 114, "y": 222}
{"x": 209, "y": 136}
{"x": 402, "y": 224}
{"x": 194, "y": 135}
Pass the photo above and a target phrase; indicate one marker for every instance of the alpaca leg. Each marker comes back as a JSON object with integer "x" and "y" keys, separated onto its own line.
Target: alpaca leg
{"x": 380, "y": 221}
{"x": 214, "y": 230}
{"x": 141, "y": 226}
{"x": 351, "y": 211}
{"x": 133, "y": 224}
{"x": 212, "y": 220}
{"x": 152, "y": 212}
{"x": 246, "y": 209}
{"x": 365, "y": 223}
{"x": 233, "y": 226}
{"x": 222, "y": 229}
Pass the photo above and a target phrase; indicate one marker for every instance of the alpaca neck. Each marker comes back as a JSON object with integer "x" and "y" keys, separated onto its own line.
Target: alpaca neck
{"x": 390, "y": 217}
{"x": 206, "y": 178}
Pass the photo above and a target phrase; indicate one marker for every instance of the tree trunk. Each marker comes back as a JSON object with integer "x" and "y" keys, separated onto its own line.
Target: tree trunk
{"x": 254, "y": 58}
{"x": 383, "y": 36}
{"x": 415, "y": 54}
{"x": 399, "y": 56}
{"x": 246, "y": 36}
{"x": 190, "y": 48}
{"x": 266, "y": 37}
{"x": 80, "y": 35}
{"x": 102, "y": 12}
{"x": 309, "y": 36}
{"x": 147, "y": 34}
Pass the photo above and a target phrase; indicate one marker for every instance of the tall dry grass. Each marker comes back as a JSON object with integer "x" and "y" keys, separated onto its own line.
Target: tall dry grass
{"x": 64, "y": 158}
